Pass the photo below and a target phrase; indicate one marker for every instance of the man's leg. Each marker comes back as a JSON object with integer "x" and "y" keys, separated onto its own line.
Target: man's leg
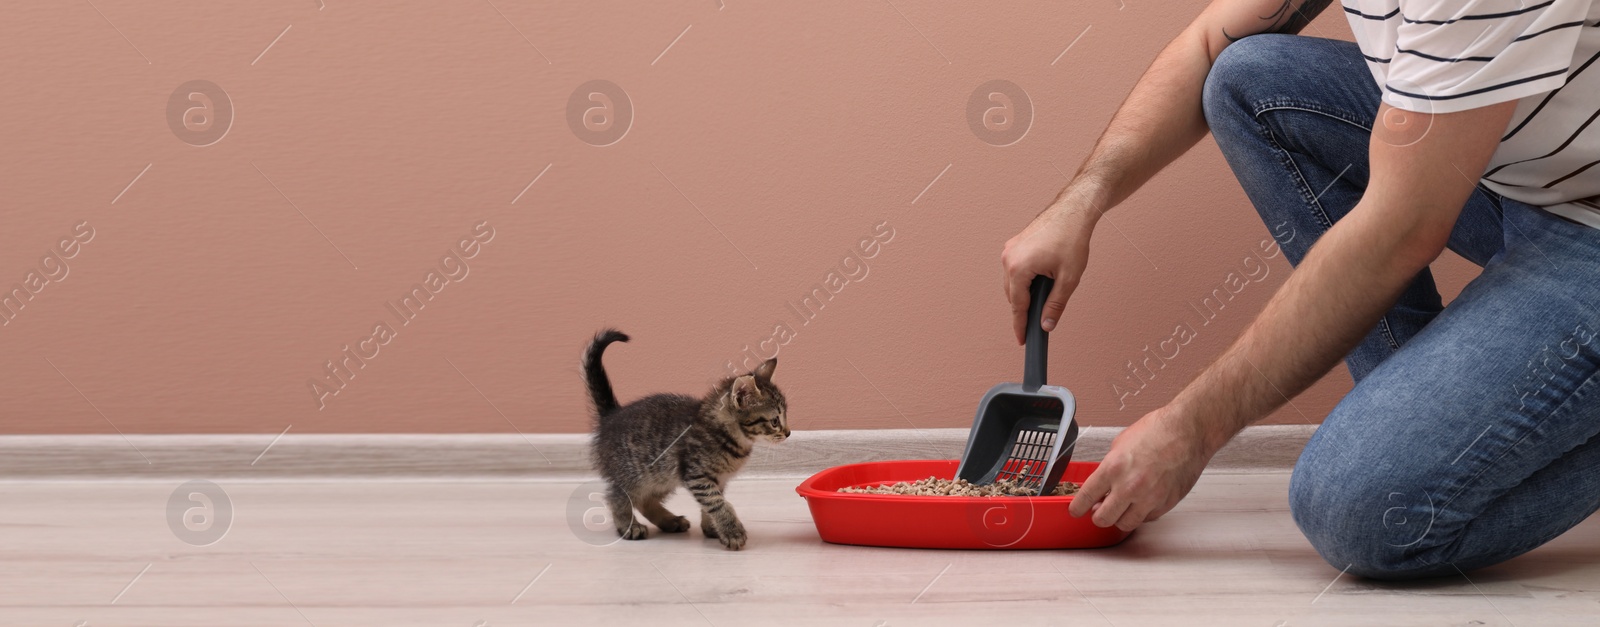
{"x": 1293, "y": 115}
{"x": 1475, "y": 442}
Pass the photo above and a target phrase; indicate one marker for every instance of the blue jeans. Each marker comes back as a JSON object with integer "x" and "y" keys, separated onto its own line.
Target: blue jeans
{"x": 1469, "y": 436}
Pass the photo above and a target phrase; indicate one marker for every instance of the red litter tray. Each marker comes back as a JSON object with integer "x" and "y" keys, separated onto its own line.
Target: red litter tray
{"x": 945, "y": 522}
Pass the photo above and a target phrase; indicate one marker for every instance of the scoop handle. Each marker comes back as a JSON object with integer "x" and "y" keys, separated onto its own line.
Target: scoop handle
{"x": 1038, "y": 341}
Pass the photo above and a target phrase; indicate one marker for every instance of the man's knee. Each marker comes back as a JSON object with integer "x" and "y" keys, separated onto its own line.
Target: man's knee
{"x": 1239, "y": 70}
{"x": 1352, "y": 535}
{"x": 1366, "y": 517}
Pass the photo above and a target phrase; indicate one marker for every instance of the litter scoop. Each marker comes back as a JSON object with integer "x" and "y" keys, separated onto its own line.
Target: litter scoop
{"x": 1024, "y": 433}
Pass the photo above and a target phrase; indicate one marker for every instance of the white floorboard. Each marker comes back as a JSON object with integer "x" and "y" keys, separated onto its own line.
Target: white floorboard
{"x": 447, "y": 552}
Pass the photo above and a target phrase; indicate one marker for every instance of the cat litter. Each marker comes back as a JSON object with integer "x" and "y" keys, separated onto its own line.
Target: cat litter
{"x": 934, "y": 486}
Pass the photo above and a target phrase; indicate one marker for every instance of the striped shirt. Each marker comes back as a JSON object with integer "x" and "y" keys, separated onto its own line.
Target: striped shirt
{"x": 1441, "y": 56}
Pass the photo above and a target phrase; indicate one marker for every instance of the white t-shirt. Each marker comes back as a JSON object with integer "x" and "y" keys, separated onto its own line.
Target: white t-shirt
{"x": 1441, "y": 56}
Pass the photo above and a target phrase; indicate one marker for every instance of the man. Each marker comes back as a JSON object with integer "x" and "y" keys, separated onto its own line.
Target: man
{"x": 1469, "y": 436}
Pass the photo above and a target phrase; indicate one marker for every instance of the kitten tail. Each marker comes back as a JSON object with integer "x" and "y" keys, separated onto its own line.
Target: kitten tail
{"x": 594, "y": 374}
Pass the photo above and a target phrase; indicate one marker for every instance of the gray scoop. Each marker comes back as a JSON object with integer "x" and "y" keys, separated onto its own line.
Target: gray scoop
{"x": 1024, "y": 432}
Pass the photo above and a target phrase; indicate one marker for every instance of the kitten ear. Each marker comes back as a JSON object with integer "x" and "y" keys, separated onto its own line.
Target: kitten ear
{"x": 764, "y": 371}
{"x": 743, "y": 391}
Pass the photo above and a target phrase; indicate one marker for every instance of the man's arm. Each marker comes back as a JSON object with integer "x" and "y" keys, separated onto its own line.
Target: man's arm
{"x": 1353, "y": 274}
{"x": 1160, "y": 120}
{"x": 1162, "y": 117}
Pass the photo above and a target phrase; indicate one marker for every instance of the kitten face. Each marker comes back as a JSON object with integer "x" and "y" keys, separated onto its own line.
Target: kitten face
{"x": 759, "y": 407}
{"x": 770, "y": 422}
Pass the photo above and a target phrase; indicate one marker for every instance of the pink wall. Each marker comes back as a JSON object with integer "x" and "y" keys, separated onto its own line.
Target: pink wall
{"x": 367, "y": 140}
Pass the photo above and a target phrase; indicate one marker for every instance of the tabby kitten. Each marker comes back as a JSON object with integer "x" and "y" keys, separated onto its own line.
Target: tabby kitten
{"x": 646, "y": 448}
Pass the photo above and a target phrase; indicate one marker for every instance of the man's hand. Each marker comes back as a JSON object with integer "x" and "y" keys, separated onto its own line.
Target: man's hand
{"x": 1151, "y": 466}
{"x": 1055, "y": 245}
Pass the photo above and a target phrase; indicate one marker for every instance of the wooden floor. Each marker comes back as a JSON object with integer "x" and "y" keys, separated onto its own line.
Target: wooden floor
{"x": 496, "y": 552}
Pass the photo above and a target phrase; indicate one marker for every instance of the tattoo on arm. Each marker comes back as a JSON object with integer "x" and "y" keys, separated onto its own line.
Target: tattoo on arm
{"x": 1288, "y": 18}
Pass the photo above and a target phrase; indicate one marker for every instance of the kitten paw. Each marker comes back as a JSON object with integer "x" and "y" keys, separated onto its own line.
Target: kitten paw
{"x": 733, "y": 539}
{"x": 634, "y": 532}
{"x": 676, "y": 525}
{"x": 707, "y": 529}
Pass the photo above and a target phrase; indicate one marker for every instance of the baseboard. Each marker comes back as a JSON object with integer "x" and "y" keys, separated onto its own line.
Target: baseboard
{"x": 534, "y": 456}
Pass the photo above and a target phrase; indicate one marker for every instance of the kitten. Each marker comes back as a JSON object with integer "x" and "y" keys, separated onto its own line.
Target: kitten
{"x": 644, "y": 450}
